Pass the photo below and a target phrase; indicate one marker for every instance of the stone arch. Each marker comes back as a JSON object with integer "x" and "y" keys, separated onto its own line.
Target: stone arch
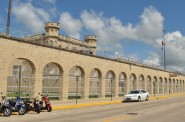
{"x": 76, "y": 83}
{"x": 122, "y": 84}
{"x": 148, "y": 83}
{"x": 141, "y": 82}
{"x": 52, "y": 80}
{"x": 161, "y": 85}
{"x": 21, "y": 78}
{"x": 155, "y": 85}
{"x": 165, "y": 86}
{"x": 133, "y": 81}
{"x": 95, "y": 79}
{"x": 110, "y": 84}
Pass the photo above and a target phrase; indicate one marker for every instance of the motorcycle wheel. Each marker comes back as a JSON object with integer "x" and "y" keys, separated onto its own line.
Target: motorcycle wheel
{"x": 37, "y": 109}
{"x": 49, "y": 109}
{"x": 22, "y": 111}
{"x": 6, "y": 112}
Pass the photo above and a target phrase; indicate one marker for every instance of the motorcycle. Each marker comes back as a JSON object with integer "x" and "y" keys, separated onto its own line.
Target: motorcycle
{"x": 33, "y": 105}
{"x": 47, "y": 106}
{"x": 5, "y": 107}
{"x": 18, "y": 106}
{"x": 37, "y": 105}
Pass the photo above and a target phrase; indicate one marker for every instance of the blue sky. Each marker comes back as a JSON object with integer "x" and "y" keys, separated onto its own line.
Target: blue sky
{"x": 125, "y": 28}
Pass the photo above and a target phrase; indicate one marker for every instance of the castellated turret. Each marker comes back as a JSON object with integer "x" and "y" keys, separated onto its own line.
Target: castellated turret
{"x": 52, "y": 29}
{"x": 54, "y": 39}
{"x": 52, "y": 33}
{"x": 91, "y": 40}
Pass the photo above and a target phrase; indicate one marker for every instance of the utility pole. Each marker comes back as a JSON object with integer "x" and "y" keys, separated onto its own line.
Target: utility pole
{"x": 163, "y": 44}
{"x": 8, "y": 20}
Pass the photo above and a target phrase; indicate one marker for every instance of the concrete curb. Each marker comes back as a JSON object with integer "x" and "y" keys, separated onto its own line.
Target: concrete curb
{"x": 86, "y": 105}
{"x": 109, "y": 102}
{"x": 63, "y": 107}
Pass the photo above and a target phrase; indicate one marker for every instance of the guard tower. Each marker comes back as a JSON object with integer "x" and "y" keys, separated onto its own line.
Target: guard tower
{"x": 91, "y": 41}
{"x": 52, "y": 29}
{"x": 52, "y": 33}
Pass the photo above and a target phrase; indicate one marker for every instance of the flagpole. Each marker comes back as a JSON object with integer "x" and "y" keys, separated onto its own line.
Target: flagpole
{"x": 164, "y": 50}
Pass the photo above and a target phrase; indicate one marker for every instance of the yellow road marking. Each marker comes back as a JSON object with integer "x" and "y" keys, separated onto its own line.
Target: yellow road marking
{"x": 116, "y": 118}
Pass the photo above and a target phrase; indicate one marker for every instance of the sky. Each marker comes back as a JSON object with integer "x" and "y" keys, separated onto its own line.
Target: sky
{"x": 124, "y": 28}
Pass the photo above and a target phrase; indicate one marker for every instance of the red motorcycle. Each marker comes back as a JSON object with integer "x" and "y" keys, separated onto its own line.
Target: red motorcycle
{"x": 47, "y": 106}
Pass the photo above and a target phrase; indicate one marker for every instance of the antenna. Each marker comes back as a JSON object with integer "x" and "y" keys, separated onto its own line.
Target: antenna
{"x": 8, "y": 21}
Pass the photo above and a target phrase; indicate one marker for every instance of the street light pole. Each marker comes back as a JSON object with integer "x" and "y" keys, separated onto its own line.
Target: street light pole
{"x": 154, "y": 88}
{"x": 122, "y": 84}
{"x": 76, "y": 89}
{"x": 163, "y": 44}
{"x": 111, "y": 89}
{"x": 20, "y": 80}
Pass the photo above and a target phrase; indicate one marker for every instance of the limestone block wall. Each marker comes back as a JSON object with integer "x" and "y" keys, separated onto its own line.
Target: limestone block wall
{"x": 39, "y": 56}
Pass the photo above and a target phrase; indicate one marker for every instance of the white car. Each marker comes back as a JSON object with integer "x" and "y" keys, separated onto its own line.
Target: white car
{"x": 137, "y": 95}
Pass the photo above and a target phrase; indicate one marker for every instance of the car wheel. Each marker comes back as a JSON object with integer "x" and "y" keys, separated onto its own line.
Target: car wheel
{"x": 147, "y": 98}
{"x": 139, "y": 99}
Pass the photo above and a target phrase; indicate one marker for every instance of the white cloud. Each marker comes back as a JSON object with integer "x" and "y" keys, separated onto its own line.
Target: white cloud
{"x": 112, "y": 30}
{"x": 70, "y": 25}
{"x": 175, "y": 49}
{"x": 31, "y": 17}
{"x": 153, "y": 59}
{"x": 151, "y": 26}
{"x": 149, "y": 30}
{"x": 108, "y": 30}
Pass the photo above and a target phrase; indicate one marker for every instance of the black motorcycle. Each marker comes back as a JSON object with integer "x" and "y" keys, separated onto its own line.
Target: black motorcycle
{"x": 5, "y": 107}
{"x": 33, "y": 105}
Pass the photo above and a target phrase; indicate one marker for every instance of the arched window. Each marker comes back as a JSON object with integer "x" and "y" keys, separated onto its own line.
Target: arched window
{"x": 95, "y": 84}
{"x": 122, "y": 84}
{"x": 52, "y": 80}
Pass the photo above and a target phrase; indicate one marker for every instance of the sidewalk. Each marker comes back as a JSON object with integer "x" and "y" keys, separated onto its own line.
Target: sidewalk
{"x": 69, "y": 104}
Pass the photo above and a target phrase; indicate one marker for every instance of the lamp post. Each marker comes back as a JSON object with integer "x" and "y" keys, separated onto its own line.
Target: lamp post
{"x": 169, "y": 87}
{"x": 77, "y": 78}
{"x": 20, "y": 68}
{"x": 77, "y": 75}
{"x": 111, "y": 88}
{"x": 122, "y": 85}
{"x": 154, "y": 88}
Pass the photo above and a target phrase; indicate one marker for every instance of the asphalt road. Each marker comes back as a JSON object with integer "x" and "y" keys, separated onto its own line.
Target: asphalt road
{"x": 163, "y": 110}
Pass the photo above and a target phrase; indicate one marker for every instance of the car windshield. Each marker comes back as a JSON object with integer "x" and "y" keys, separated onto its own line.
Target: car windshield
{"x": 134, "y": 92}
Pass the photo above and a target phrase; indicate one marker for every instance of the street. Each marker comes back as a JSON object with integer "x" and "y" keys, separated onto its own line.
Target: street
{"x": 160, "y": 110}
